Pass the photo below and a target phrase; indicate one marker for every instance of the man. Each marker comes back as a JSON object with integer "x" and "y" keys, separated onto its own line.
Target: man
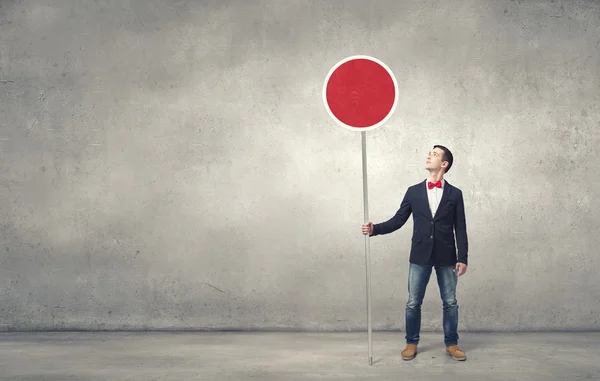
{"x": 438, "y": 209}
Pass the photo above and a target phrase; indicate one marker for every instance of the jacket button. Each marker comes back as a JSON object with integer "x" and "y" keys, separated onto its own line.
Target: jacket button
{"x": 431, "y": 237}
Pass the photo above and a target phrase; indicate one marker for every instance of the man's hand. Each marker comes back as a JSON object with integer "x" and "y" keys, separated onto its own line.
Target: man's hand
{"x": 461, "y": 268}
{"x": 367, "y": 228}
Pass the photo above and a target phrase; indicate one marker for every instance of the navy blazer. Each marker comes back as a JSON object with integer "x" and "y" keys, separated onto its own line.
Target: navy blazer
{"x": 431, "y": 233}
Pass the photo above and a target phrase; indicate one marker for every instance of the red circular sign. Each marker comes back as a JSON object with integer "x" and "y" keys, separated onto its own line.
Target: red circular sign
{"x": 360, "y": 92}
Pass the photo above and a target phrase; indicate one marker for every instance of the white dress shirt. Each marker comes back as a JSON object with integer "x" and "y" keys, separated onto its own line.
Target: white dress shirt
{"x": 434, "y": 195}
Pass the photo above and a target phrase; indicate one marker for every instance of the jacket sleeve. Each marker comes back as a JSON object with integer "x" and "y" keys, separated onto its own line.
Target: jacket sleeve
{"x": 397, "y": 221}
{"x": 460, "y": 229}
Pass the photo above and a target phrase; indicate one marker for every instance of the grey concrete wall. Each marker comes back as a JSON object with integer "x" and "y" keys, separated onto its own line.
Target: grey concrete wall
{"x": 170, "y": 164}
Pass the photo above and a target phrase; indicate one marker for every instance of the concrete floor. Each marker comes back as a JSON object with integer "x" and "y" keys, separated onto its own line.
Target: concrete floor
{"x": 294, "y": 356}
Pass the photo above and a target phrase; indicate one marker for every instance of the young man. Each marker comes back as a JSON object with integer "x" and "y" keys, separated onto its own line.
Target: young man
{"x": 438, "y": 209}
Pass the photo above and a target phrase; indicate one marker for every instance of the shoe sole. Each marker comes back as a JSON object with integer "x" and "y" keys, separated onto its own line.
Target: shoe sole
{"x": 457, "y": 358}
{"x": 407, "y": 358}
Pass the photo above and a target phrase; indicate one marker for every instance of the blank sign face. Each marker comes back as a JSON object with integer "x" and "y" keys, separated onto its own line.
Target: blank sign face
{"x": 360, "y": 93}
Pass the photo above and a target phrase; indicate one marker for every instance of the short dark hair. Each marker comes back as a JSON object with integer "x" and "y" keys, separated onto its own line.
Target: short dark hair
{"x": 447, "y": 156}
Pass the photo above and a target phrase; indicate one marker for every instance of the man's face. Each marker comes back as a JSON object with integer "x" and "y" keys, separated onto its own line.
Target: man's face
{"x": 434, "y": 159}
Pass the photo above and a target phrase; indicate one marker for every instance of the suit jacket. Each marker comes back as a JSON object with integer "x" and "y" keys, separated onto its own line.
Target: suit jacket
{"x": 432, "y": 236}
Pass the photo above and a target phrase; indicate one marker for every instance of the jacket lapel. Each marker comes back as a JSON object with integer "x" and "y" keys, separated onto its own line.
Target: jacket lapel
{"x": 444, "y": 196}
{"x": 425, "y": 199}
{"x": 443, "y": 200}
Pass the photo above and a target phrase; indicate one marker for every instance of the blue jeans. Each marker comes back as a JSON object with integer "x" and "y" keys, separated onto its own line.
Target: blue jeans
{"x": 418, "y": 278}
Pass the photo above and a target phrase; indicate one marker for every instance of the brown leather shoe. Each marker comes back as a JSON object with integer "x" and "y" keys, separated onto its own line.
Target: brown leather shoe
{"x": 409, "y": 352}
{"x": 456, "y": 353}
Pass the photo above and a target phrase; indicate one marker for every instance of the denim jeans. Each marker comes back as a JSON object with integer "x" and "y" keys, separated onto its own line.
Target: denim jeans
{"x": 418, "y": 278}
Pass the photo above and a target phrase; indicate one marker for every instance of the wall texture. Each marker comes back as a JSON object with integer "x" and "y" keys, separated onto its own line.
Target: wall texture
{"x": 171, "y": 165}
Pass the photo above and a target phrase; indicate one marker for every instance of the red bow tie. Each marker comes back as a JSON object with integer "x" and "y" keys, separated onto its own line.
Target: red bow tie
{"x": 438, "y": 184}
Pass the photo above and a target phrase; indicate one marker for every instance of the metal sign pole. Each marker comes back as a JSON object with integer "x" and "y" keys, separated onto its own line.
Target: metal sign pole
{"x": 367, "y": 248}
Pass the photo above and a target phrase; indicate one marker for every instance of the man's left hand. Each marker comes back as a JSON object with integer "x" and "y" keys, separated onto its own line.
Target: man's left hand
{"x": 461, "y": 268}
